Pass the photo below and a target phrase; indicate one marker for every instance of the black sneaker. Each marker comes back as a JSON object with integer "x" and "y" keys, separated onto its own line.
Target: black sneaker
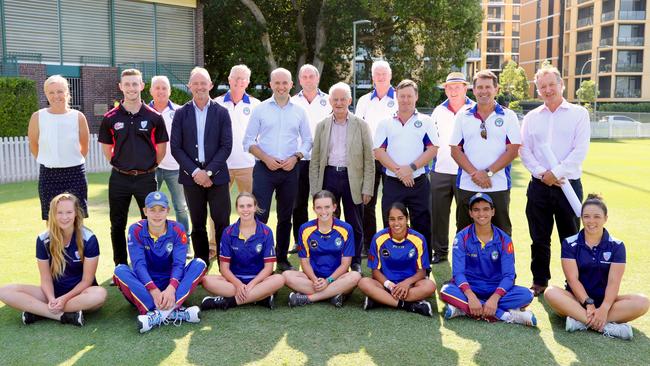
{"x": 337, "y": 300}
{"x": 214, "y": 302}
{"x": 268, "y": 302}
{"x": 75, "y": 318}
{"x": 298, "y": 299}
{"x": 29, "y": 318}
{"x": 294, "y": 250}
{"x": 368, "y": 303}
{"x": 284, "y": 266}
{"x": 422, "y": 307}
{"x": 356, "y": 267}
{"x": 438, "y": 258}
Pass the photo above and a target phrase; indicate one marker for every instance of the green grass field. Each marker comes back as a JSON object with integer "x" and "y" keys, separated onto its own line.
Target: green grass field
{"x": 321, "y": 334}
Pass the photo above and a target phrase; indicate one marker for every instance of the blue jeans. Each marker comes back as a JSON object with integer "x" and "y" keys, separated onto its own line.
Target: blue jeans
{"x": 178, "y": 198}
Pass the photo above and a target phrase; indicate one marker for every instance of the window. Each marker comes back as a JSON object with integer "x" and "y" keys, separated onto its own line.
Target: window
{"x": 629, "y": 61}
{"x": 628, "y": 86}
{"x": 630, "y": 35}
{"x": 495, "y": 45}
{"x": 583, "y": 65}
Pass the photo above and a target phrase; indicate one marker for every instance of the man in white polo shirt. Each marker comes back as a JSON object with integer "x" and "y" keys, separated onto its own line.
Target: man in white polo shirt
{"x": 404, "y": 144}
{"x": 444, "y": 169}
{"x": 484, "y": 143}
{"x": 565, "y": 128}
{"x": 374, "y": 107}
{"x": 317, "y": 105}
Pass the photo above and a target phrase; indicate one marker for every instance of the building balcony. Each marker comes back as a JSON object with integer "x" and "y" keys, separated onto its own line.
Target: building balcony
{"x": 631, "y": 15}
{"x": 628, "y": 93}
{"x": 499, "y": 33}
{"x": 609, "y": 41}
{"x": 495, "y": 49}
{"x": 605, "y": 67}
{"x": 583, "y": 22}
{"x": 607, "y": 16}
{"x": 584, "y": 1}
{"x": 474, "y": 55}
{"x": 630, "y": 41}
{"x": 629, "y": 67}
{"x": 583, "y": 46}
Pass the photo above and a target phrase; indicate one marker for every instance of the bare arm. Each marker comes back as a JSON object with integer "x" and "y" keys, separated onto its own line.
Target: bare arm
{"x": 161, "y": 148}
{"x": 506, "y": 158}
{"x": 46, "y": 279}
{"x": 108, "y": 151}
{"x": 33, "y": 134}
{"x": 84, "y": 134}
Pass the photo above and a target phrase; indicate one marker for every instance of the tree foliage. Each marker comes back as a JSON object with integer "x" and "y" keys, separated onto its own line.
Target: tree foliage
{"x": 587, "y": 92}
{"x": 18, "y": 100}
{"x": 513, "y": 83}
{"x": 421, "y": 39}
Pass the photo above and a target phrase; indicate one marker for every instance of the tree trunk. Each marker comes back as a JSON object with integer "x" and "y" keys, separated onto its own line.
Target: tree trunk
{"x": 264, "y": 37}
{"x": 300, "y": 25}
{"x": 321, "y": 38}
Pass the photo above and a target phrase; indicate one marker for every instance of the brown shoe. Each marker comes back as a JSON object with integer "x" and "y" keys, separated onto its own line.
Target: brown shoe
{"x": 537, "y": 289}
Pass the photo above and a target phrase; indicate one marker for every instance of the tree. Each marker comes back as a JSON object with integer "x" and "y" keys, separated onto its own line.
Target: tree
{"x": 587, "y": 93}
{"x": 513, "y": 83}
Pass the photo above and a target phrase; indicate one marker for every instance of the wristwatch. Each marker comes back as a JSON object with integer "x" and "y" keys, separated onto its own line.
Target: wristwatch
{"x": 298, "y": 156}
{"x": 413, "y": 167}
{"x": 489, "y": 173}
{"x": 330, "y": 279}
{"x": 208, "y": 172}
{"x": 588, "y": 301}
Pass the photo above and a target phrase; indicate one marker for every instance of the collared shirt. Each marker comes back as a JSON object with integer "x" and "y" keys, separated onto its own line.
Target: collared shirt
{"x": 201, "y": 116}
{"x": 502, "y": 129}
{"x": 566, "y": 131}
{"x": 443, "y": 118}
{"x": 337, "y": 149}
{"x": 325, "y": 250}
{"x": 373, "y": 110}
{"x": 398, "y": 259}
{"x": 317, "y": 110}
{"x": 593, "y": 263}
{"x": 134, "y": 136}
{"x": 404, "y": 143}
{"x": 276, "y": 130}
{"x": 168, "y": 162}
{"x": 488, "y": 267}
{"x": 239, "y": 116}
{"x": 247, "y": 256}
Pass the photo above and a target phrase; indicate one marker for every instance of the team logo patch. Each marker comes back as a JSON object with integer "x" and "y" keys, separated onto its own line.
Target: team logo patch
{"x": 418, "y": 124}
{"x": 143, "y": 124}
{"x": 184, "y": 238}
{"x": 323, "y": 102}
{"x": 169, "y": 247}
{"x": 411, "y": 253}
{"x": 607, "y": 255}
{"x": 258, "y": 248}
{"x": 385, "y": 253}
{"x": 499, "y": 122}
{"x": 313, "y": 243}
{"x": 495, "y": 255}
{"x": 76, "y": 254}
{"x": 338, "y": 242}
{"x": 391, "y": 104}
{"x": 118, "y": 126}
{"x": 171, "y": 114}
{"x": 247, "y": 110}
{"x": 455, "y": 245}
{"x": 157, "y": 195}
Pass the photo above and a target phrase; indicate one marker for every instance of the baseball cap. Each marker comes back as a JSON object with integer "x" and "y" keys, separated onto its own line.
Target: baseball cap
{"x": 480, "y": 197}
{"x": 455, "y": 77}
{"x": 156, "y": 198}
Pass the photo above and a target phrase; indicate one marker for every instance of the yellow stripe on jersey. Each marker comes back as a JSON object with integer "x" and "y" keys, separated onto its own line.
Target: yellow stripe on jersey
{"x": 418, "y": 245}
{"x": 379, "y": 242}
{"x": 343, "y": 231}
{"x": 305, "y": 235}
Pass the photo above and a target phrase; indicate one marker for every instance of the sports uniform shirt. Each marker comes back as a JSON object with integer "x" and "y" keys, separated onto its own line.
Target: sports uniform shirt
{"x": 279, "y": 131}
{"x": 325, "y": 250}
{"x": 404, "y": 143}
{"x": 168, "y": 162}
{"x": 133, "y": 136}
{"x": 488, "y": 267}
{"x": 247, "y": 256}
{"x": 567, "y": 131}
{"x": 317, "y": 110}
{"x": 502, "y": 129}
{"x": 239, "y": 116}
{"x": 443, "y": 118}
{"x": 157, "y": 260}
{"x": 373, "y": 110}
{"x": 74, "y": 268}
{"x": 398, "y": 260}
{"x": 593, "y": 263}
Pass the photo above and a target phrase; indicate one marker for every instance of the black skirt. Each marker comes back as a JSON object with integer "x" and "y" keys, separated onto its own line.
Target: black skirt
{"x": 54, "y": 181}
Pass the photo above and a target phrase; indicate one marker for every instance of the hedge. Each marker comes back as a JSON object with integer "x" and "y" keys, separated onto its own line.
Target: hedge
{"x": 18, "y": 100}
{"x": 624, "y": 107}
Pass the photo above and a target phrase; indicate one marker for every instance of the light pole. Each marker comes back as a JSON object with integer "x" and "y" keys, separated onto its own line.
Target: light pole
{"x": 582, "y": 71}
{"x": 354, "y": 58}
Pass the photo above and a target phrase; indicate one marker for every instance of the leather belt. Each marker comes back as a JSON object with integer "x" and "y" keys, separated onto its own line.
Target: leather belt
{"x": 337, "y": 168}
{"x": 135, "y": 172}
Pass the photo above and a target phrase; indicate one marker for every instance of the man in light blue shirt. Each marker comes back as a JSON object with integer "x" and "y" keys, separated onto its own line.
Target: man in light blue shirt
{"x": 272, "y": 137}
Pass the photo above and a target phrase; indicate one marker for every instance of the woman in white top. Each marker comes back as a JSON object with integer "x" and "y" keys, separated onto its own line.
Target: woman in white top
{"x": 58, "y": 139}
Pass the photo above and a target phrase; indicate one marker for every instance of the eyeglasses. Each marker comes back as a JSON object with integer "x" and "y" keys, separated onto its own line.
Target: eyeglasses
{"x": 483, "y": 130}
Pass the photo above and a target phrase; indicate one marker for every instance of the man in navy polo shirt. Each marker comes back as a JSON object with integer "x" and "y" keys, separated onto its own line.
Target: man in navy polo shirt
{"x": 134, "y": 140}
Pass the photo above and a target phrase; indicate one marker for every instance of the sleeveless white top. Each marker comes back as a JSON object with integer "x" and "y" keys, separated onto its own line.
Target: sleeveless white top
{"x": 58, "y": 139}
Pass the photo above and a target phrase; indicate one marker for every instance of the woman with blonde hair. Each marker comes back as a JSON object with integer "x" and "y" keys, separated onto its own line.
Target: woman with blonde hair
{"x": 67, "y": 254}
{"x": 58, "y": 139}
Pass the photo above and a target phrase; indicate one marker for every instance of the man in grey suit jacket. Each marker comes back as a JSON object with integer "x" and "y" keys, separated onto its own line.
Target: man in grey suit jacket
{"x": 342, "y": 162}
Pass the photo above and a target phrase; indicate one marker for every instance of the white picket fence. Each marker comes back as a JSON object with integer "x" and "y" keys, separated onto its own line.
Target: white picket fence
{"x": 17, "y": 164}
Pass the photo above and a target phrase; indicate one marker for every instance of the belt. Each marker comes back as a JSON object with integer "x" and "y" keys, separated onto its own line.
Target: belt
{"x": 135, "y": 172}
{"x": 337, "y": 168}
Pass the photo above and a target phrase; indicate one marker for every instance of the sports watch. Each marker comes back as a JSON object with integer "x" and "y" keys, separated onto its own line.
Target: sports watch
{"x": 588, "y": 301}
{"x": 489, "y": 173}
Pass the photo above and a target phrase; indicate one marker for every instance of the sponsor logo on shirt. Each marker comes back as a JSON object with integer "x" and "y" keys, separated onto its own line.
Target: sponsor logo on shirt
{"x": 118, "y": 126}
{"x": 411, "y": 252}
{"x": 385, "y": 253}
{"x": 258, "y": 248}
{"x": 338, "y": 242}
{"x": 169, "y": 247}
{"x": 313, "y": 243}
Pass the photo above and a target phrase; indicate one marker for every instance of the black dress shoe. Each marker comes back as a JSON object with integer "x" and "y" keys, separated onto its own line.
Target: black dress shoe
{"x": 437, "y": 258}
{"x": 356, "y": 267}
{"x": 284, "y": 266}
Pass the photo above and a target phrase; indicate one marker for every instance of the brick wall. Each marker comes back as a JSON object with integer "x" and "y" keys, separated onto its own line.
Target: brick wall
{"x": 100, "y": 90}
{"x": 37, "y": 73}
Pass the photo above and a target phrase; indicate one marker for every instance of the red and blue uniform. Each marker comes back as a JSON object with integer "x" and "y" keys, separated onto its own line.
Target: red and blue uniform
{"x": 593, "y": 264}
{"x": 485, "y": 269}
{"x": 157, "y": 263}
{"x": 74, "y": 267}
{"x": 247, "y": 256}
{"x": 398, "y": 259}
{"x": 326, "y": 250}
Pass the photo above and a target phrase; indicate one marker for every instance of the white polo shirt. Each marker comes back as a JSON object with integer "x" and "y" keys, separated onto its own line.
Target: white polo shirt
{"x": 405, "y": 143}
{"x": 373, "y": 110}
{"x": 168, "y": 162}
{"x": 317, "y": 110}
{"x": 443, "y": 118}
{"x": 239, "y": 115}
{"x": 502, "y": 129}
{"x": 566, "y": 131}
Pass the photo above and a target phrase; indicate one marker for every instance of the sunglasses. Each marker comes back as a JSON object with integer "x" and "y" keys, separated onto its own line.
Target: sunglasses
{"x": 483, "y": 130}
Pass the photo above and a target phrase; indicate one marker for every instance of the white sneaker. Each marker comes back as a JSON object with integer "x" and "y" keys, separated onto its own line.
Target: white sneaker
{"x": 180, "y": 315}
{"x": 573, "y": 325}
{"x": 522, "y": 317}
{"x": 615, "y": 330}
{"x": 149, "y": 320}
{"x": 452, "y": 311}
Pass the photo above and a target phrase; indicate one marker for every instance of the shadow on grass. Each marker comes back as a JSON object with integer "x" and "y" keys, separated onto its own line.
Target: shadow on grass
{"x": 617, "y": 182}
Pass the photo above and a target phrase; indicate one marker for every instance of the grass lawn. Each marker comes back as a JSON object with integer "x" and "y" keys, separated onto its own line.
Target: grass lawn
{"x": 321, "y": 334}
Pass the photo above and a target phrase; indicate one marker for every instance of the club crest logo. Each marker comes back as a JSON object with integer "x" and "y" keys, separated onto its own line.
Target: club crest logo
{"x": 412, "y": 253}
{"x": 157, "y": 195}
{"x": 338, "y": 242}
{"x": 455, "y": 245}
{"x": 495, "y": 255}
{"x": 391, "y": 104}
{"x": 418, "y": 124}
{"x": 323, "y": 102}
{"x": 313, "y": 243}
{"x": 76, "y": 254}
{"x": 118, "y": 126}
{"x": 499, "y": 122}
{"x": 385, "y": 253}
{"x": 169, "y": 247}
{"x": 171, "y": 114}
{"x": 247, "y": 111}
{"x": 258, "y": 247}
{"x": 607, "y": 255}
{"x": 143, "y": 124}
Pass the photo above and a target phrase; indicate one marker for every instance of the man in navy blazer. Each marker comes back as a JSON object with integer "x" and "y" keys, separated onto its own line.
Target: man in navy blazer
{"x": 201, "y": 142}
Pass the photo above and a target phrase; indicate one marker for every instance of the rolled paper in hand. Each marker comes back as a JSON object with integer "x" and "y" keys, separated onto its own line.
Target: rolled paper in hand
{"x": 567, "y": 189}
